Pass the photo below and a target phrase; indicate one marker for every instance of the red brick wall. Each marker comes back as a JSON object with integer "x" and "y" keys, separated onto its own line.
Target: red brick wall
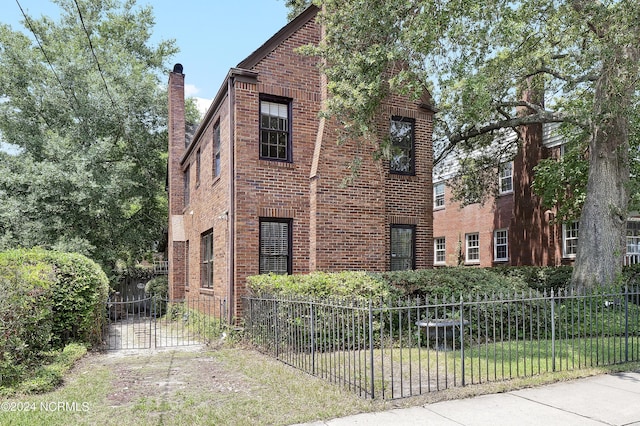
{"x": 176, "y": 148}
{"x": 334, "y": 227}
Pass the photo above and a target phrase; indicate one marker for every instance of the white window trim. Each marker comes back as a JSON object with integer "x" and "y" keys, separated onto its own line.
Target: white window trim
{"x": 435, "y": 196}
{"x": 495, "y": 245}
{"x": 467, "y": 247}
{"x": 435, "y": 251}
{"x": 564, "y": 241}
{"x": 632, "y": 238}
{"x": 500, "y": 178}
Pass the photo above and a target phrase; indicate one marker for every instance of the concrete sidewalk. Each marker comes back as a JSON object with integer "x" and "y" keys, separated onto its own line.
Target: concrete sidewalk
{"x": 612, "y": 399}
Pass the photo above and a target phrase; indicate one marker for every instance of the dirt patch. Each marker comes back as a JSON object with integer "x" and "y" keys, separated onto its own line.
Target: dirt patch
{"x": 164, "y": 377}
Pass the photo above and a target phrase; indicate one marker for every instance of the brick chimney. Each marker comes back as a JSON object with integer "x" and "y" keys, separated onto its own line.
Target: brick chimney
{"x": 177, "y": 246}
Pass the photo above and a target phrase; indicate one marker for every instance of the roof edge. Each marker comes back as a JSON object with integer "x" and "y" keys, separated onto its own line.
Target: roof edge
{"x": 233, "y": 73}
{"x": 277, "y": 39}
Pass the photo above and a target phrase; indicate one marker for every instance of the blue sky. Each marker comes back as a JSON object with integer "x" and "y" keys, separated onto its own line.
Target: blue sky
{"x": 213, "y": 35}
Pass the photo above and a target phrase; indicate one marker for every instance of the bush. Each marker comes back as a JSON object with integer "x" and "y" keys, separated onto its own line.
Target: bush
{"x": 452, "y": 282}
{"x": 26, "y": 320}
{"x": 354, "y": 284}
{"x": 158, "y": 289}
{"x": 63, "y": 293}
{"x": 540, "y": 278}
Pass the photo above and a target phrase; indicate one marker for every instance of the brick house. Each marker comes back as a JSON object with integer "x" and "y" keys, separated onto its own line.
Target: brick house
{"x": 512, "y": 228}
{"x": 259, "y": 189}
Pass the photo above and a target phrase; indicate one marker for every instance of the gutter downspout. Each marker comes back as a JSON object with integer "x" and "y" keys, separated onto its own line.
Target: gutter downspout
{"x": 232, "y": 191}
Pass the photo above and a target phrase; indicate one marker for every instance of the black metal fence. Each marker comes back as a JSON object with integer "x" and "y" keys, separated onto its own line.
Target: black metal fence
{"x": 397, "y": 349}
{"x": 153, "y": 322}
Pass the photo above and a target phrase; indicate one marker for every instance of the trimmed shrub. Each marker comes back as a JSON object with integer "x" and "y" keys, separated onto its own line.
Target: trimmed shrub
{"x": 452, "y": 282}
{"x": 541, "y": 278}
{"x": 356, "y": 284}
{"x": 75, "y": 288}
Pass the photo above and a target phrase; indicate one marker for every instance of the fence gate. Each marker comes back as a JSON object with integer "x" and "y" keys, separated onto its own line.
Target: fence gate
{"x": 149, "y": 323}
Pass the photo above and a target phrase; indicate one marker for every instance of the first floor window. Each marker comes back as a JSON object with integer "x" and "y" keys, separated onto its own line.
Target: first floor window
{"x": 186, "y": 263}
{"x": 206, "y": 259}
{"x": 570, "y": 239}
{"x": 403, "y": 244}
{"x": 472, "y": 252}
{"x": 633, "y": 237}
{"x": 440, "y": 250}
{"x": 501, "y": 245}
{"x": 275, "y": 246}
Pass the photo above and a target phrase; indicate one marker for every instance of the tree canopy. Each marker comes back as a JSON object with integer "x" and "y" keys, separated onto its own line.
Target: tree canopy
{"x": 578, "y": 60}
{"x": 82, "y": 101}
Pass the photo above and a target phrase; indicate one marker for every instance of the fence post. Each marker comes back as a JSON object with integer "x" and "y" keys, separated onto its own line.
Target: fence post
{"x": 462, "y": 339}
{"x": 275, "y": 325}
{"x": 373, "y": 387}
{"x": 313, "y": 339}
{"x": 553, "y": 333}
{"x": 626, "y": 323}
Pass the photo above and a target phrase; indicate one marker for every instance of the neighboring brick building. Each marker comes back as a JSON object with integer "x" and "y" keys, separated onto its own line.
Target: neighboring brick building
{"x": 512, "y": 228}
{"x": 258, "y": 189}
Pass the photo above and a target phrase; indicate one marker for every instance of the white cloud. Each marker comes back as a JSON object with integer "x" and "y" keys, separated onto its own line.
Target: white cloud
{"x": 202, "y": 104}
{"x": 190, "y": 90}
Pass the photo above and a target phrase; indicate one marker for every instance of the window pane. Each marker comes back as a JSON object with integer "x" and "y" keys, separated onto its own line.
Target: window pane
{"x": 274, "y": 247}
{"x": 402, "y": 248}
{"x": 401, "y": 135}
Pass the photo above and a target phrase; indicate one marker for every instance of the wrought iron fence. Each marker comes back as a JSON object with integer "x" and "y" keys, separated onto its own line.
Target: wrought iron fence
{"x": 156, "y": 322}
{"x": 404, "y": 348}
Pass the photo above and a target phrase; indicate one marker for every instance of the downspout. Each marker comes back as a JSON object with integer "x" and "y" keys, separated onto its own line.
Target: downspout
{"x": 232, "y": 191}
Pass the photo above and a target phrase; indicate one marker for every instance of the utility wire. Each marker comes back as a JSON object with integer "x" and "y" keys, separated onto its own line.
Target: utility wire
{"x": 46, "y": 57}
{"x": 93, "y": 52}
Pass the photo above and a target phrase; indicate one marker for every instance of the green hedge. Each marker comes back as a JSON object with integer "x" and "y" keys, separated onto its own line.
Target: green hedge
{"x": 49, "y": 299}
{"x": 356, "y": 284}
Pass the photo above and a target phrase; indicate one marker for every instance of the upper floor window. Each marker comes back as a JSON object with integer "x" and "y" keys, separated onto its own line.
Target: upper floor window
{"x": 501, "y": 245}
{"x": 440, "y": 250}
{"x": 402, "y": 146}
{"x": 206, "y": 259}
{"x": 198, "y": 159}
{"x": 403, "y": 247}
{"x": 506, "y": 178}
{"x": 438, "y": 195}
{"x": 570, "y": 239}
{"x": 275, "y": 129}
{"x": 472, "y": 249}
{"x": 275, "y": 246}
{"x": 187, "y": 185}
{"x": 216, "y": 150}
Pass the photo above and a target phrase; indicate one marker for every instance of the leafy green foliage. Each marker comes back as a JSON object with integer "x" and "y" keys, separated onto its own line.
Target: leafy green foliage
{"x": 453, "y": 282}
{"x": 322, "y": 284}
{"x": 158, "y": 289}
{"x": 492, "y": 66}
{"x": 540, "y": 278}
{"x": 50, "y": 299}
{"x": 87, "y": 111}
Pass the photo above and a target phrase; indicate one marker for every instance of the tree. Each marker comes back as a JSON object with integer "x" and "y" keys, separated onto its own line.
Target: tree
{"x": 82, "y": 99}
{"x": 476, "y": 57}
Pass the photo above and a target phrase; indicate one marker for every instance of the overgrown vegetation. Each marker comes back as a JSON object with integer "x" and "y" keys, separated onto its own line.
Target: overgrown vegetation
{"x": 50, "y": 299}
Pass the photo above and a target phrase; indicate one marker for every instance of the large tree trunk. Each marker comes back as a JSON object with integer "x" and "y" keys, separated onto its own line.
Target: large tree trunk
{"x": 602, "y": 228}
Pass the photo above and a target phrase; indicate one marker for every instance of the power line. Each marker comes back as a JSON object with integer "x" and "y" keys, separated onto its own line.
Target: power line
{"x": 95, "y": 57}
{"x": 46, "y": 57}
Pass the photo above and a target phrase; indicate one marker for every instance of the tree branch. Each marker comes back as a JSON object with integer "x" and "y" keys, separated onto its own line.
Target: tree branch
{"x": 560, "y": 76}
{"x": 539, "y": 117}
